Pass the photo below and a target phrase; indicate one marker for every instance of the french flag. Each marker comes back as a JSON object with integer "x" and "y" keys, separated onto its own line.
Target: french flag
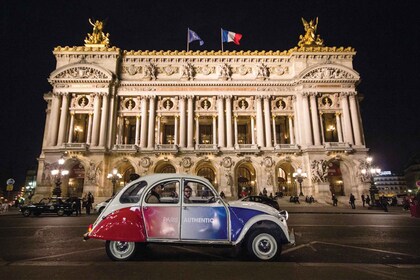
{"x": 229, "y": 36}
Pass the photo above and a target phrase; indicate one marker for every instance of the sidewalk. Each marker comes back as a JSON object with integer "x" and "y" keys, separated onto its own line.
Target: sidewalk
{"x": 343, "y": 207}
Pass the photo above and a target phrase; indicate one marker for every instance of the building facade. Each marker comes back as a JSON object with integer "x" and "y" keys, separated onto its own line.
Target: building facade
{"x": 246, "y": 120}
{"x": 390, "y": 184}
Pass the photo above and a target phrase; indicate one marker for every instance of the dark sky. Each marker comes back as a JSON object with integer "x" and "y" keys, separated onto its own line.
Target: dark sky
{"x": 385, "y": 34}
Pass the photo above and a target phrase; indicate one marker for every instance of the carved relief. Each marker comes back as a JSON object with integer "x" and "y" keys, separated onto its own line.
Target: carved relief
{"x": 169, "y": 70}
{"x": 81, "y": 72}
{"x": 319, "y": 170}
{"x": 150, "y": 72}
{"x": 262, "y": 72}
{"x": 225, "y": 72}
{"x": 186, "y": 162}
{"x": 188, "y": 71}
{"x": 145, "y": 162}
{"x": 206, "y": 70}
{"x": 227, "y": 162}
{"x": 267, "y": 162}
{"x": 328, "y": 73}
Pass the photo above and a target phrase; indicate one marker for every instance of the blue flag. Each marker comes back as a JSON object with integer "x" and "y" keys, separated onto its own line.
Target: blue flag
{"x": 192, "y": 36}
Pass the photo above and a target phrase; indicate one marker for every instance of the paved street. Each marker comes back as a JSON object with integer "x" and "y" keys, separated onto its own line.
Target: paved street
{"x": 332, "y": 243}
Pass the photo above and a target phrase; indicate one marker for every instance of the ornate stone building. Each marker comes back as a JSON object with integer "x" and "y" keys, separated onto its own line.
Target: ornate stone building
{"x": 244, "y": 119}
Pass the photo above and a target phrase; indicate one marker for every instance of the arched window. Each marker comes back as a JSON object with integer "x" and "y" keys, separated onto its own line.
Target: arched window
{"x": 207, "y": 173}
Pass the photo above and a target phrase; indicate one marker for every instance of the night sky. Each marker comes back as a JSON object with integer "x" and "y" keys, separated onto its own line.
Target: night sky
{"x": 385, "y": 35}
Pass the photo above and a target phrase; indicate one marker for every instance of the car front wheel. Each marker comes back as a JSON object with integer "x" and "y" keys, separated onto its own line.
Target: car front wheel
{"x": 120, "y": 250}
{"x": 26, "y": 213}
{"x": 264, "y": 245}
{"x": 60, "y": 212}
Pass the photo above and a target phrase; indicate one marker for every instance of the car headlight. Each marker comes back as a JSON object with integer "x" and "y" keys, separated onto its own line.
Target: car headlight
{"x": 284, "y": 214}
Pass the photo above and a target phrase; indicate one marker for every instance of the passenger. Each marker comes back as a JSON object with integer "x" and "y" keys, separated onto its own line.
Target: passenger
{"x": 187, "y": 194}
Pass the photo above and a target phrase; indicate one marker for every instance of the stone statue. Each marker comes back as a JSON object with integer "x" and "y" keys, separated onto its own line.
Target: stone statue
{"x": 97, "y": 37}
{"x": 319, "y": 170}
{"x": 310, "y": 39}
{"x": 228, "y": 179}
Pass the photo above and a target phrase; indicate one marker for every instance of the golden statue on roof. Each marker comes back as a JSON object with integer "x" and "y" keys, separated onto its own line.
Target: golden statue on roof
{"x": 97, "y": 38}
{"x": 310, "y": 39}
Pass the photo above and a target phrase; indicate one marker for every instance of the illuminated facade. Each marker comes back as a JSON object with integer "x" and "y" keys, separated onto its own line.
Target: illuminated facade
{"x": 245, "y": 120}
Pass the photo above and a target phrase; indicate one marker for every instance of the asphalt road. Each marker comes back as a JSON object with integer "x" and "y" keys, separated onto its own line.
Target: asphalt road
{"x": 329, "y": 246}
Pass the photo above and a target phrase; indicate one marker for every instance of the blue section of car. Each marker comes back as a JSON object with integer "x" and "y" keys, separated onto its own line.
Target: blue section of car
{"x": 204, "y": 223}
{"x": 239, "y": 217}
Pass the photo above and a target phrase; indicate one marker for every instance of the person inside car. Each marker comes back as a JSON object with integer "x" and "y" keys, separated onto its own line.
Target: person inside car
{"x": 154, "y": 194}
{"x": 187, "y": 194}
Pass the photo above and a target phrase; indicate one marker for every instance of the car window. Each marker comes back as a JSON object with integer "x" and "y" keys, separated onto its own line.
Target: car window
{"x": 164, "y": 192}
{"x": 200, "y": 193}
{"x": 131, "y": 195}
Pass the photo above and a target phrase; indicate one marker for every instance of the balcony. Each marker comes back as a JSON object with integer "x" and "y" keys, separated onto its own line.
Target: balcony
{"x": 287, "y": 148}
{"x": 125, "y": 148}
{"x": 76, "y": 146}
{"x": 337, "y": 147}
{"x": 167, "y": 148}
{"x": 206, "y": 148}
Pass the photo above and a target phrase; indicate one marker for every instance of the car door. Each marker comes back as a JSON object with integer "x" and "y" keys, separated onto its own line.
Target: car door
{"x": 161, "y": 217}
{"x": 202, "y": 216}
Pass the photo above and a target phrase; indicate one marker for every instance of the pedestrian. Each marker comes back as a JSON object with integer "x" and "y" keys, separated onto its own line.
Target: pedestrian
{"x": 77, "y": 206}
{"x": 363, "y": 199}
{"x": 222, "y": 195}
{"x": 384, "y": 203}
{"x": 311, "y": 199}
{"x": 351, "y": 201}
{"x": 89, "y": 202}
{"x": 264, "y": 192}
{"x": 368, "y": 200}
{"x": 334, "y": 200}
{"x": 133, "y": 176}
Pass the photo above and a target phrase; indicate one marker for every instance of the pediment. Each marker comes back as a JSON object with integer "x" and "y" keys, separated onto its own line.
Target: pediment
{"x": 81, "y": 73}
{"x": 329, "y": 72}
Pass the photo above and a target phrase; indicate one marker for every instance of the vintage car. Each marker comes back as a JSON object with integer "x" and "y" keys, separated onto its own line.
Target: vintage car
{"x": 47, "y": 205}
{"x": 152, "y": 210}
{"x": 262, "y": 199}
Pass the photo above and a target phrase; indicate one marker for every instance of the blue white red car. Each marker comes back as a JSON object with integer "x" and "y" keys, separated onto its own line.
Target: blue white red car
{"x": 131, "y": 220}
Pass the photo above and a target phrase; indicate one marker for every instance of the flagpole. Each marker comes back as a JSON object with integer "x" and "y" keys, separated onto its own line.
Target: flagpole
{"x": 188, "y": 39}
{"x": 221, "y": 37}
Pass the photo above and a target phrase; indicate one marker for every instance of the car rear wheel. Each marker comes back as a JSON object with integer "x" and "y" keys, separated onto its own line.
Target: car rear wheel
{"x": 264, "y": 245}
{"x": 100, "y": 210}
{"x": 26, "y": 213}
{"x": 120, "y": 250}
{"x": 60, "y": 212}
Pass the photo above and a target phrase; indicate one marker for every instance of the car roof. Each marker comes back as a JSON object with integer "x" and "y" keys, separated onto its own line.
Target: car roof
{"x": 163, "y": 176}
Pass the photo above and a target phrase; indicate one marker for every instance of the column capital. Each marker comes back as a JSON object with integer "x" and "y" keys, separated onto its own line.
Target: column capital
{"x": 338, "y": 114}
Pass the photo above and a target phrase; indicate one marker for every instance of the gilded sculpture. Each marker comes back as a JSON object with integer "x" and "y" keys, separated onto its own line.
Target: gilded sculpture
{"x": 310, "y": 39}
{"x": 97, "y": 37}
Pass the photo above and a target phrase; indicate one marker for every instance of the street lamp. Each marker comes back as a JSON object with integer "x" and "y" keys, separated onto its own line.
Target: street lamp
{"x": 114, "y": 177}
{"x": 30, "y": 189}
{"x": 58, "y": 174}
{"x": 299, "y": 176}
{"x": 369, "y": 172}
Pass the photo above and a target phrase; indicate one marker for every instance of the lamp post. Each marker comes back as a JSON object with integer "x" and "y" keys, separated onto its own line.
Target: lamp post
{"x": 114, "y": 177}
{"x": 299, "y": 176}
{"x": 370, "y": 172}
{"x": 30, "y": 189}
{"x": 58, "y": 174}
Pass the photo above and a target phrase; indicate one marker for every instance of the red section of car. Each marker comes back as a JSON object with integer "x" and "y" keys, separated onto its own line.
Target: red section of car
{"x": 125, "y": 224}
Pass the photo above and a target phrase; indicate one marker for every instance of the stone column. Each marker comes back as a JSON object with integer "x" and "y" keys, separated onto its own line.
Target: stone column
{"x": 306, "y": 120}
{"x": 71, "y": 129}
{"x": 158, "y": 130}
{"x": 348, "y": 136}
{"x": 339, "y": 130}
{"x": 151, "y": 134}
{"x": 190, "y": 132}
{"x": 221, "y": 121}
{"x": 197, "y": 131}
{"x": 175, "y": 130}
{"x": 355, "y": 119}
{"x": 268, "y": 142}
{"x": 96, "y": 119}
{"x": 260, "y": 125}
{"x": 297, "y": 100}
{"x": 182, "y": 122}
{"x": 55, "y": 116}
{"x": 315, "y": 119}
{"x": 214, "y": 132}
{"x": 322, "y": 128}
{"x": 236, "y": 130}
{"x": 136, "y": 139}
{"x": 274, "y": 130}
{"x": 89, "y": 132}
{"x": 292, "y": 136}
{"x": 143, "y": 127}
{"x": 252, "y": 131}
{"x": 104, "y": 121}
{"x": 229, "y": 122}
{"x": 112, "y": 124}
{"x": 63, "y": 119}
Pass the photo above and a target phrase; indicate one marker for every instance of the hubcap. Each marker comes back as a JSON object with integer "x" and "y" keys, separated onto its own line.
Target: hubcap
{"x": 122, "y": 249}
{"x": 264, "y": 246}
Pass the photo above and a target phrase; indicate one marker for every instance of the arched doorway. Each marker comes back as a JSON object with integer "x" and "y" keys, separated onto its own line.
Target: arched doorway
{"x": 284, "y": 179}
{"x": 246, "y": 179}
{"x": 208, "y": 173}
{"x": 335, "y": 178}
{"x": 165, "y": 168}
{"x": 76, "y": 180}
{"x": 126, "y": 175}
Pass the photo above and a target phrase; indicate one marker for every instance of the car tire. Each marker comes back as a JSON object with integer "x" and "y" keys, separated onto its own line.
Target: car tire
{"x": 120, "y": 250}
{"x": 264, "y": 245}
{"x": 60, "y": 212}
{"x": 37, "y": 214}
{"x": 26, "y": 213}
{"x": 100, "y": 210}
